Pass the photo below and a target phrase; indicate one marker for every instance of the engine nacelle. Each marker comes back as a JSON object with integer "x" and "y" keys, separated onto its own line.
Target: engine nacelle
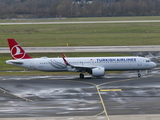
{"x": 97, "y": 72}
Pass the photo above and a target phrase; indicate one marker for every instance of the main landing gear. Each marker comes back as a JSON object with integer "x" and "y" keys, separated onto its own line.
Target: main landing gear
{"x": 139, "y": 74}
{"x": 81, "y": 75}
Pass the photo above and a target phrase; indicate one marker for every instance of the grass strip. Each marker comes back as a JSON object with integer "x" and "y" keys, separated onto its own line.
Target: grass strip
{"x": 82, "y": 34}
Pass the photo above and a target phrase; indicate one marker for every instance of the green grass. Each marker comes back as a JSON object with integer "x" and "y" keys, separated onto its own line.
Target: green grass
{"x": 82, "y": 34}
{"x": 11, "y": 73}
{"x": 25, "y": 72}
{"x": 115, "y": 18}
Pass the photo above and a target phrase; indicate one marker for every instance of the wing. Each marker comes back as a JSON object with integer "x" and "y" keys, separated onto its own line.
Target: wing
{"x": 95, "y": 71}
{"x": 76, "y": 68}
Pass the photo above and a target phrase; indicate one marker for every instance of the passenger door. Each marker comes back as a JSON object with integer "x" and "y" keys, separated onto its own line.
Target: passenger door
{"x": 139, "y": 62}
{"x": 31, "y": 64}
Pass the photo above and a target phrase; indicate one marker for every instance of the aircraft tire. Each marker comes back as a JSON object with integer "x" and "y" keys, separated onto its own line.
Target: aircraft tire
{"x": 139, "y": 75}
{"x": 81, "y": 75}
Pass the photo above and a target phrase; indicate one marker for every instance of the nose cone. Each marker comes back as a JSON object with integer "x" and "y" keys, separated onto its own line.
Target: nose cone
{"x": 154, "y": 64}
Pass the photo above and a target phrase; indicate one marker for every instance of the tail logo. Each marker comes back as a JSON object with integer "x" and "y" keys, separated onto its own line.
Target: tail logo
{"x": 17, "y": 52}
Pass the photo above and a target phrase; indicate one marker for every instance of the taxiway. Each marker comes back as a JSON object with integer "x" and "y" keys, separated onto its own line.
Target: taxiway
{"x": 81, "y": 22}
{"x": 59, "y": 97}
{"x": 116, "y": 49}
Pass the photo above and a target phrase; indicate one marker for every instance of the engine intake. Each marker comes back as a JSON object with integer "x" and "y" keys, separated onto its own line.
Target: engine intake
{"x": 97, "y": 72}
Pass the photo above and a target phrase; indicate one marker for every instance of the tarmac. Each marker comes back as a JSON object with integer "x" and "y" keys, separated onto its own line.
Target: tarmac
{"x": 115, "y": 117}
{"x": 115, "y": 49}
{"x": 81, "y": 22}
{"x": 119, "y": 96}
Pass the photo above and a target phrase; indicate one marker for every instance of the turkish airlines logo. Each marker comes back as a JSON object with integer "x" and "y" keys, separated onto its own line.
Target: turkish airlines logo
{"x": 17, "y": 52}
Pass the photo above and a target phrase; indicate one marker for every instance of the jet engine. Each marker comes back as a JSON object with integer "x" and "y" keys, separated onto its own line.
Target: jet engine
{"x": 97, "y": 72}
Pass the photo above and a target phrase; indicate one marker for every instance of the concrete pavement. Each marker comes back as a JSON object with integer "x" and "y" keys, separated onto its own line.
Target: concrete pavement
{"x": 80, "y": 22}
{"x": 86, "y": 49}
{"x": 112, "y": 117}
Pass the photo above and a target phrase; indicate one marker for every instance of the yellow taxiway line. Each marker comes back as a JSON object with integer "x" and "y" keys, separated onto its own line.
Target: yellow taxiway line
{"x": 107, "y": 90}
{"x": 101, "y": 99}
{"x": 5, "y": 91}
{"x": 104, "y": 107}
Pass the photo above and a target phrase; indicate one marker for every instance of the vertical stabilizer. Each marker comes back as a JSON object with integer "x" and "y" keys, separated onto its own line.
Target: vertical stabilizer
{"x": 17, "y": 52}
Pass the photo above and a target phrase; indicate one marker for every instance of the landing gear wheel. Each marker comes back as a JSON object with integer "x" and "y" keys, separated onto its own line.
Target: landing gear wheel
{"x": 139, "y": 75}
{"x": 81, "y": 75}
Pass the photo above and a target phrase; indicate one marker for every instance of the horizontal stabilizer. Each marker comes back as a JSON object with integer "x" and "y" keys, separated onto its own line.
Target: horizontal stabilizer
{"x": 14, "y": 62}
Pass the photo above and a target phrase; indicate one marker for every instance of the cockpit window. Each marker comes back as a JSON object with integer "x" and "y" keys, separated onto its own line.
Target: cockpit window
{"x": 148, "y": 61}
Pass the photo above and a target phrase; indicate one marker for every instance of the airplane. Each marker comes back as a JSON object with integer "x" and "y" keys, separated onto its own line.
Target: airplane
{"x": 96, "y": 66}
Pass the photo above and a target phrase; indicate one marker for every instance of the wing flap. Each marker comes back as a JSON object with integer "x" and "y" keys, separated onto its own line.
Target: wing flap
{"x": 76, "y": 66}
{"x": 80, "y": 66}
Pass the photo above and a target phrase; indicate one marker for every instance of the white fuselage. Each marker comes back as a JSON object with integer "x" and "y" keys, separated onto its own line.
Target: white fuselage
{"x": 108, "y": 63}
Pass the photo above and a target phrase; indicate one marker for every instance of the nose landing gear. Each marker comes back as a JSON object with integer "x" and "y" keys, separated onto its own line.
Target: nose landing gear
{"x": 139, "y": 74}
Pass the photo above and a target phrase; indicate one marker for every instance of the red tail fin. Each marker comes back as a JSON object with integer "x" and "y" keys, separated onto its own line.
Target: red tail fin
{"x": 17, "y": 51}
